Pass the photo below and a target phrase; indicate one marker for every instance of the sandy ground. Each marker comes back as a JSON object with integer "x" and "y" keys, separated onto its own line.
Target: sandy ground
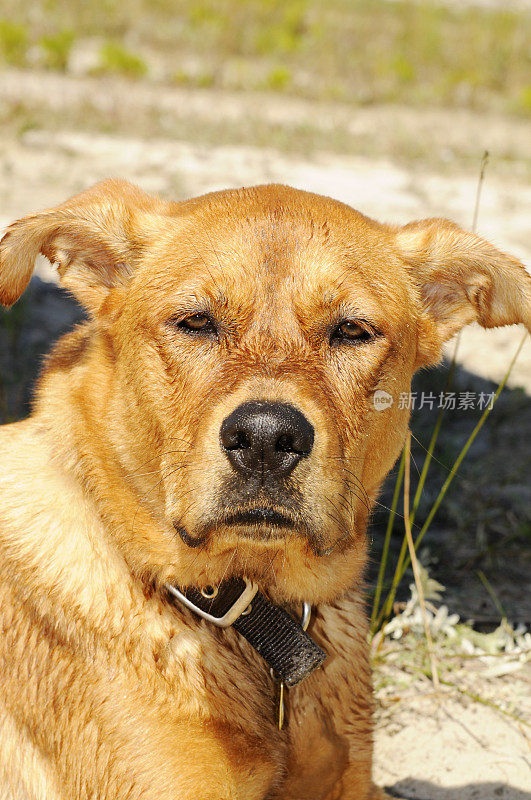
{"x": 429, "y": 747}
{"x": 444, "y": 749}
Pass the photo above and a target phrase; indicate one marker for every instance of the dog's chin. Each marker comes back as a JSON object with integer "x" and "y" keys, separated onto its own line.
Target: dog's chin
{"x": 253, "y": 538}
{"x": 286, "y": 560}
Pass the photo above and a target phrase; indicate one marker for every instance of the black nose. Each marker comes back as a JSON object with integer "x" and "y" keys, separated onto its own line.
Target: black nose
{"x": 267, "y": 438}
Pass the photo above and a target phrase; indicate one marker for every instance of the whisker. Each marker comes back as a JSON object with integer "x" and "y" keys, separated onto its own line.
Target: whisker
{"x": 153, "y": 488}
{"x": 432, "y": 456}
{"x": 346, "y": 534}
{"x": 271, "y": 565}
{"x": 231, "y": 559}
{"x": 156, "y": 458}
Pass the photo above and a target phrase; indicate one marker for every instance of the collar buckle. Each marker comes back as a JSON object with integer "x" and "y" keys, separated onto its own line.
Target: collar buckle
{"x": 230, "y": 616}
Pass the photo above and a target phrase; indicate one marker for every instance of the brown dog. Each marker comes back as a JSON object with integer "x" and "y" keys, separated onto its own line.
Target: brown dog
{"x": 213, "y": 419}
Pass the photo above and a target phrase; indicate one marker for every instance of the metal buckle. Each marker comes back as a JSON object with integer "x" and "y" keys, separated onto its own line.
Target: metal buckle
{"x": 230, "y": 616}
{"x": 306, "y": 615}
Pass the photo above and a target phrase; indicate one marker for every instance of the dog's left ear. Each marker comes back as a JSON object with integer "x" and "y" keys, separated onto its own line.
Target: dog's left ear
{"x": 95, "y": 238}
{"x": 461, "y": 278}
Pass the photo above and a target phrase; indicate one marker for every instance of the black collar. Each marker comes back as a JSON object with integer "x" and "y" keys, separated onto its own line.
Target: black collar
{"x": 281, "y": 641}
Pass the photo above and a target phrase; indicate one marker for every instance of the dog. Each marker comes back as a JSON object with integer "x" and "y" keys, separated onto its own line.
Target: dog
{"x": 208, "y": 435}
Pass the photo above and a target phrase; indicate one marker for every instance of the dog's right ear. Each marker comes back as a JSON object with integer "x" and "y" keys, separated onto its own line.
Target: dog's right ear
{"x": 461, "y": 278}
{"x": 95, "y": 238}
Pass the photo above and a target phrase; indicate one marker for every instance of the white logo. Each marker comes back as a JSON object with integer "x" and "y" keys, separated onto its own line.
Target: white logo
{"x": 382, "y": 400}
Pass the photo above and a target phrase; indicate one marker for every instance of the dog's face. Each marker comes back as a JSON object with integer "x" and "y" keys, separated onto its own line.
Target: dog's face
{"x": 262, "y": 339}
{"x": 239, "y": 340}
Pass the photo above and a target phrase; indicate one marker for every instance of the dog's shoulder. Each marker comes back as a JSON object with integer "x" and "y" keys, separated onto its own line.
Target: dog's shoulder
{"x": 26, "y": 473}
{"x": 16, "y": 445}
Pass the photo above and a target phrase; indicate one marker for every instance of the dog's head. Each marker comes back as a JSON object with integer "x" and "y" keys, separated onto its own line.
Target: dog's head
{"x": 232, "y": 376}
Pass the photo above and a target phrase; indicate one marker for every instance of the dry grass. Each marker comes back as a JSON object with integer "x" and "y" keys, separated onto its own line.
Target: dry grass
{"x": 415, "y": 565}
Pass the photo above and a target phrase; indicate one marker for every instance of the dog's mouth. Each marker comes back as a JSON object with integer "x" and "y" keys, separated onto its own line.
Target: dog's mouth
{"x": 270, "y": 517}
{"x": 257, "y": 523}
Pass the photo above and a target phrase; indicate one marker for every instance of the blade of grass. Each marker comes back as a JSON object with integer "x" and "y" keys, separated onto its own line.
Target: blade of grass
{"x": 387, "y": 539}
{"x": 386, "y": 610}
{"x": 434, "y": 436}
{"x": 415, "y": 564}
{"x": 399, "y": 574}
{"x": 492, "y": 594}
{"x": 483, "y": 167}
{"x": 483, "y": 700}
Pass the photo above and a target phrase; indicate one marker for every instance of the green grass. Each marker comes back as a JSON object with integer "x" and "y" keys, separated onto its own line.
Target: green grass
{"x": 117, "y": 59}
{"x": 360, "y": 51}
{"x": 56, "y": 49}
{"x": 278, "y": 79}
{"x": 13, "y": 43}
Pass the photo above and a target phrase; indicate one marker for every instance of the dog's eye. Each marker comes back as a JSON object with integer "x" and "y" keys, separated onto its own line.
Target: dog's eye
{"x": 351, "y": 331}
{"x": 198, "y": 323}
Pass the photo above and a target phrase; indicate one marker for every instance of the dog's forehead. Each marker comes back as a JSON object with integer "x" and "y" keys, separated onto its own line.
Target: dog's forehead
{"x": 273, "y": 222}
{"x": 276, "y": 244}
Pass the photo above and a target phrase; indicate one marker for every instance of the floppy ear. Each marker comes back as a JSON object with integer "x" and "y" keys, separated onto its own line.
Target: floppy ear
{"x": 462, "y": 278}
{"x": 94, "y": 238}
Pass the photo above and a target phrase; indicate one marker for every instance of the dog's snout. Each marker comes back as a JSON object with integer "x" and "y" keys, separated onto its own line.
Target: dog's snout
{"x": 262, "y": 437}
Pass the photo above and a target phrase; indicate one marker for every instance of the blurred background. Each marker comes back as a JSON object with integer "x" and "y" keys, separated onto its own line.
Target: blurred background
{"x": 388, "y": 106}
